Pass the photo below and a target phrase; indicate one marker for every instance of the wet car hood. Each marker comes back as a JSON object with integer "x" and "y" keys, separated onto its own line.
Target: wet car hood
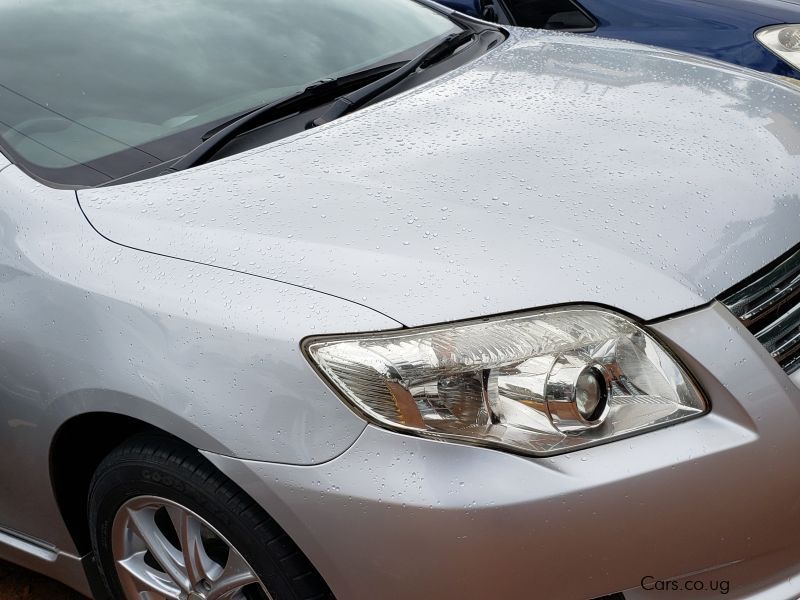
{"x": 555, "y": 169}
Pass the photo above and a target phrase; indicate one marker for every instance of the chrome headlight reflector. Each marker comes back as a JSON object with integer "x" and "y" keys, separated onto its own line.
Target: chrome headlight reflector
{"x": 538, "y": 383}
{"x": 782, "y": 40}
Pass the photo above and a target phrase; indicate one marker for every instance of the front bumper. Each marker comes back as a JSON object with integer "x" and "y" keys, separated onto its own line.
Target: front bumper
{"x": 715, "y": 500}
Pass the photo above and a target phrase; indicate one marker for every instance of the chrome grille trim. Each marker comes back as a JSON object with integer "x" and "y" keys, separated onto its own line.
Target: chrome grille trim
{"x": 769, "y": 306}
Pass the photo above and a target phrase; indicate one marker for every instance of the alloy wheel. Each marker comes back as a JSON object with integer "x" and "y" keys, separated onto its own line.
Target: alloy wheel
{"x": 164, "y": 551}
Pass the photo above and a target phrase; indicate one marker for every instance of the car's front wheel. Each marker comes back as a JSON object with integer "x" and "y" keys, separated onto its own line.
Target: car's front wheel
{"x": 166, "y": 525}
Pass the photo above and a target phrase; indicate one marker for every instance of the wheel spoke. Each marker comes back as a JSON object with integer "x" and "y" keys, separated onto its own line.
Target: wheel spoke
{"x": 236, "y": 575}
{"x": 137, "y": 576}
{"x": 199, "y": 566}
{"x": 166, "y": 555}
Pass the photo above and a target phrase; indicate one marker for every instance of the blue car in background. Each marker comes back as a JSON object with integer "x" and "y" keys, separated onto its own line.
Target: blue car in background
{"x": 760, "y": 34}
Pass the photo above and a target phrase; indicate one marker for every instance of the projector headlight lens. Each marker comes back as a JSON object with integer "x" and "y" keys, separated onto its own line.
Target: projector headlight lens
{"x": 539, "y": 383}
{"x": 591, "y": 395}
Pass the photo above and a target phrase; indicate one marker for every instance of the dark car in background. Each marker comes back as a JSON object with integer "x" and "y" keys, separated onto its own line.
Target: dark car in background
{"x": 760, "y": 34}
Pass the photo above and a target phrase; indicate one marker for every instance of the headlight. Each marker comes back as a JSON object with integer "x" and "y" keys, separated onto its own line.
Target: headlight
{"x": 538, "y": 383}
{"x": 783, "y": 40}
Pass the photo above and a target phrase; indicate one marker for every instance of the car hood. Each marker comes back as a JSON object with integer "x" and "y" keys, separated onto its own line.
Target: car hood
{"x": 777, "y": 10}
{"x": 555, "y": 169}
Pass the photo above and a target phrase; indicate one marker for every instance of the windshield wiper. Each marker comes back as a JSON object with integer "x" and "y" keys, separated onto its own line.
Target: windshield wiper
{"x": 218, "y": 138}
{"x": 365, "y": 95}
{"x": 311, "y": 96}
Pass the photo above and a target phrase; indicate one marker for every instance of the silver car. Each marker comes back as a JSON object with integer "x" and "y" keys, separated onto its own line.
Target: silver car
{"x": 367, "y": 299}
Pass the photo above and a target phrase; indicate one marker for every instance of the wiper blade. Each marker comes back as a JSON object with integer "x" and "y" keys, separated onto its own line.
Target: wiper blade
{"x": 365, "y": 95}
{"x": 307, "y": 98}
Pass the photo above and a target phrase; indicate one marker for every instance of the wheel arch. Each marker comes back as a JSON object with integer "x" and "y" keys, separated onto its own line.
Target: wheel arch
{"x": 87, "y": 424}
{"x": 81, "y": 440}
{"x": 76, "y": 450}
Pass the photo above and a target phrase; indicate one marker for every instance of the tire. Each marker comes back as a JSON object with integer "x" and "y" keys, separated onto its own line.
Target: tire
{"x": 154, "y": 488}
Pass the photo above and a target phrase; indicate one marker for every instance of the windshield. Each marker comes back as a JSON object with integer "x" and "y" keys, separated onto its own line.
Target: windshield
{"x": 109, "y": 86}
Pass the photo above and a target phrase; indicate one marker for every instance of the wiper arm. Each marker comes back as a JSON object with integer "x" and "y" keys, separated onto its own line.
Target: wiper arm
{"x": 365, "y": 95}
{"x": 311, "y": 96}
{"x": 316, "y": 92}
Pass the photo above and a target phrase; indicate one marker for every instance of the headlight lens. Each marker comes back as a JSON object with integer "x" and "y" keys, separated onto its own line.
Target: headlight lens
{"x": 783, "y": 40}
{"x": 537, "y": 383}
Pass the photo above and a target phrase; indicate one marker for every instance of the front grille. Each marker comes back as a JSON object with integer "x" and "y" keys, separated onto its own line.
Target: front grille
{"x": 769, "y": 306}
